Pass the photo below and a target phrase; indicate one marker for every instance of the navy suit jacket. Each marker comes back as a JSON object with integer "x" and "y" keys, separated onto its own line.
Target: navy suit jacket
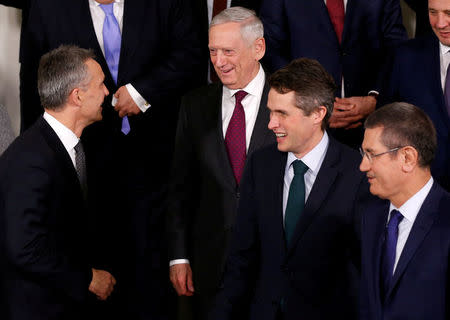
{"x": 44, "y": 230}
{"x": 317, "y": 275}
{"x": 414, "y": 77}
{"x": 420, "y": 284}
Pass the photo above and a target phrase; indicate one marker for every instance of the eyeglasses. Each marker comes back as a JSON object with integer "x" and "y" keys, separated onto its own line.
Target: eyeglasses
{"x": 371, "y": 156}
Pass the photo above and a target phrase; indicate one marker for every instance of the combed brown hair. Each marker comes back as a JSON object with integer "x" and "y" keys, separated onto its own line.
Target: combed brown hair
{"x": 312, "y": 84}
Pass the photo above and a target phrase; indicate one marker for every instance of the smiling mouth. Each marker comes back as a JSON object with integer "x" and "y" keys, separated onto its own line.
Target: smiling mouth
{"x": 280, "y": 135}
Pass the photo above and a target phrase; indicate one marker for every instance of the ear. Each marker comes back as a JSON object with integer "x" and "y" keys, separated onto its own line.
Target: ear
{"x": 75, "y": 97}
{"x": 260, "y": 48}
{"x": 409, "y": 157}
{"x": 318, "y": 114}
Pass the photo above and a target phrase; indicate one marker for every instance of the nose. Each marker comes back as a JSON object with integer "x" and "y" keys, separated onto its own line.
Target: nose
{"x": 441, "y": 21}
{"x": 220, "y": 59}
{"x": 364, "y": 166}
{"x": 273, "y": 122}
{"x": 105, "y": 90}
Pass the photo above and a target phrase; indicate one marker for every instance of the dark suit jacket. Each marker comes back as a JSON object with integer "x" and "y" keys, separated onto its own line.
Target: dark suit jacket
{"x": 43, "y": 229}
{"x": 316, "y": 276}
{"x": 414, "y": 77}
{"x": 420, "y": 285}
{"x": 302, "y": 28}
{"x": 203, "y": 192}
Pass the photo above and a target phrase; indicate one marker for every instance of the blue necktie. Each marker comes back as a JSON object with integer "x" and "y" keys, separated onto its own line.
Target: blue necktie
{"x": 447, "y": 90}
{"x": 296, "y": 199}
{"x": 112, "y": 40}
{"x": 390, "y": 247}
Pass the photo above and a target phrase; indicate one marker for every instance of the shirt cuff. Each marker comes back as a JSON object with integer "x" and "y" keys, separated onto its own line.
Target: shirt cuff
{"x": 178, "y": 261}
{"x": 373, "y": 93}
{"x": 137, "y": 98}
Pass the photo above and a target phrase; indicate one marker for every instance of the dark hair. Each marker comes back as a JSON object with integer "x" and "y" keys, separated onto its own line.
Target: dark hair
{"x": 312, "y": 84}
{"x": 405, "y": 125}
{"x": 60, "y": 71}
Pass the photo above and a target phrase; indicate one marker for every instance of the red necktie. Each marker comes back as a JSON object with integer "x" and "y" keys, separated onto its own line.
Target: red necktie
{"x": 337, "y": 16}
{"x": 235, "y": 137}
{"x": 218, "y": 6}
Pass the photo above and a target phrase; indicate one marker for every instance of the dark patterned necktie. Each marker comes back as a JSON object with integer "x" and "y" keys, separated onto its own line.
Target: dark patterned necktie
{"x": 80, "y": 166}
{"x": 389, "y": 252}
{"x": 296, "y": 199}
{"x": 235, "y": 137}
{"x": 336, "y": 12}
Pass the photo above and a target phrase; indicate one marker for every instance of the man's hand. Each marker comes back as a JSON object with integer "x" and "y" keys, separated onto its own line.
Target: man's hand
{"x": 125, "y": 104}
{"x": 348, "y": 112}
{"x": 181, "y": 278}
{"x": 102, "y": 284}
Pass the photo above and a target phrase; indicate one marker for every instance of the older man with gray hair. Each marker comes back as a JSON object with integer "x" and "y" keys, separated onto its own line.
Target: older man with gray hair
{"x": 43, "y": 218}
{"x": 219, "y": 126}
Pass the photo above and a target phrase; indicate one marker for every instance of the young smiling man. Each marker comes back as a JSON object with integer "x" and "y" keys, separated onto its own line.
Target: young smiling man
{"x": 295, "y": 247}
{"x": 406, "y": 238}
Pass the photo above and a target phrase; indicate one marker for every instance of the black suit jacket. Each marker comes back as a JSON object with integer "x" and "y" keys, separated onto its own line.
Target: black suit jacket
{"x": 43, "y": 229}
{"x": 203, "y": 192}
{"x": 420, "y": 284}
{"x": 411, "y": 80}
{"x": 316, "y": 276}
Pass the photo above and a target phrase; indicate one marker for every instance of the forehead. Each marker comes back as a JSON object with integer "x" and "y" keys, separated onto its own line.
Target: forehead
{"x": 225, "y": 34}
{"x": 439, "y": 4}
{"x": 94, "y": 68}
{"x": 281, "y": 101}
{"x": 372, "y": 139}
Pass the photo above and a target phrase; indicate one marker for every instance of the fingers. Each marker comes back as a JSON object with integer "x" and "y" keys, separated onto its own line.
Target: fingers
{"x": 181, "y": 278}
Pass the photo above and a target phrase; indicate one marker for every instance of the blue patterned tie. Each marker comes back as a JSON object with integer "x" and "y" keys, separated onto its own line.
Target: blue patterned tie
{"x": 390, "y": 247}
{"x": 296, "y": 199}
{"x": 112, "y": 41}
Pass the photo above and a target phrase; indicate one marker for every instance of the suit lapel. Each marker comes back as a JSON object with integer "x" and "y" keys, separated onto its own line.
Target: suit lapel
{"x": 60, "y": 152}
{"x": 324, "y": 17}
{"x": 260, "y": 131}
{"x": 422, "y": 225}
{"x": 133, "y": 17}
{"x": 323, "y": 184}
{"x": 278, "y": 179}
{"x": 349, "y": 10}
{"x": 435, "y": 81}
{"x": 377, "y": 218}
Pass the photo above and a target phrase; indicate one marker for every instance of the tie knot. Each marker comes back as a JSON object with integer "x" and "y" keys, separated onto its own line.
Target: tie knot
{"x": 239, "y": 96}
{"x": 300, "y": 167}
{"x": 108, "y": 8}
{"x": 79, "y": 147}
{"x": 396, "y": 217}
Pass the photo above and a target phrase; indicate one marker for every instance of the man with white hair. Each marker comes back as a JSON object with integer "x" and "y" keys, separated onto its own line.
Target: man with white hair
{"x": 219, "y": 126}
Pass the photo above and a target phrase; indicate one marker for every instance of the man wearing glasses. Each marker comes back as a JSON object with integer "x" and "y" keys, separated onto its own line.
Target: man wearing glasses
{"x": 406, "y": 238}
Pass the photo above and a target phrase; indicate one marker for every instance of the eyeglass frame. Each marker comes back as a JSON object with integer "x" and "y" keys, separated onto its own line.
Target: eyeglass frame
{"x": 370, "y": 157}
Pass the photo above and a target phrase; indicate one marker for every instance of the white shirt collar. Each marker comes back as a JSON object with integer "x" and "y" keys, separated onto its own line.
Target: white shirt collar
{"x": 253, "y": 87}
{"x": 67, "y": 136}
{"x": 314, "y": 158}
{"x": 444, "y": 49}
{"x": 411, "y": 207}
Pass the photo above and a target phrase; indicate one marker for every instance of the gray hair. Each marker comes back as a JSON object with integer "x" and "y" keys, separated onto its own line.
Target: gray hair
{"x": 251, "y": 26}
{"x": 60, "y": 71}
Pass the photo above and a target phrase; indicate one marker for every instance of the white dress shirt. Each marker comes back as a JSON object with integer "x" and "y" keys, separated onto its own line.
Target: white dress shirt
{"x": 444, "y": 56}
{"x": 251, "y": 106}
{"x": 250, "y": 103}
{"x": 313, "y": 160}
{"x": 98, "y": 18}
{"x": 409, "y": 211}
{"x": 67, "y": 136}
